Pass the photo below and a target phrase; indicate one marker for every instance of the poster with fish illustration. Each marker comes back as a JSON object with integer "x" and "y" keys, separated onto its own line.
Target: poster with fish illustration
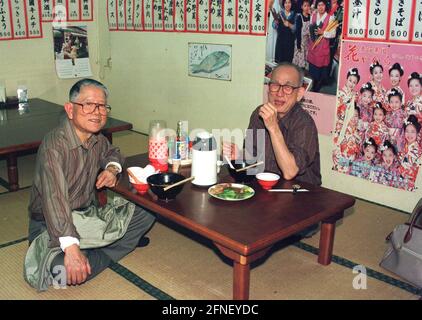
{"x": 212, "y": 61}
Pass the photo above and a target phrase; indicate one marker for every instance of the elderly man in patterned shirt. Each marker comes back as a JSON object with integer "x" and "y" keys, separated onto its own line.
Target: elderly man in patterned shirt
{"x": 73, "y": 160}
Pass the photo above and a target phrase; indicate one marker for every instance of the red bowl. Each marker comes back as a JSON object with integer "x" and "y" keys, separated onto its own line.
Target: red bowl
{"x": 267, "y": 180}
{"x": 142, "y": 188}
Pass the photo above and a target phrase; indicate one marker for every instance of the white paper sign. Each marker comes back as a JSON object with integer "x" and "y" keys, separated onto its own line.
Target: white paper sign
{"x": 112, "y": 14}
{"x": 73, "y": 8}
{"x": 179, "y": 18}
{"x": 357, "y": 19}
{"x": 33, "y": 19}
{"x": 47, "y": 10}
{"x": 204, "y": 15}
{"x": 169, "y": 15}
{"x": 377, "y": 22}
{"x": 400, "y": 20}
{"x": 158, "y": 14}
{"x": 243, "y": 15}
{"x": 148, "y": 14}
{"x": 87, "y": 10}
{"x": 258, "y": 17}
{"x": 129, "y": 15}
{"x": 59, "y": 10}
{"x": 229, "y": 16}
{"x": 137, "y": 14}
{"x": 417, "y": 33}
{"x": 121, "y": 21}
{"x": 5, "y": 23}
{"x": 19, "y": 21}
{"x": 216, "y": 15}
{"x": 191, "y": 14}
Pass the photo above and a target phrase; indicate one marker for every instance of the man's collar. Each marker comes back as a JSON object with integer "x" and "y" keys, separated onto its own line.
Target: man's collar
{"x": 74, "y": 141}
{"x": 286, "y": 119}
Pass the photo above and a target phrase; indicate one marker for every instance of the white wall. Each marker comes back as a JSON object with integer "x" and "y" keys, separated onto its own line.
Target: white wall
{"x": 147, "y": 77}
{"x": 31, "y": 62}
{"x": 148, "y": 80}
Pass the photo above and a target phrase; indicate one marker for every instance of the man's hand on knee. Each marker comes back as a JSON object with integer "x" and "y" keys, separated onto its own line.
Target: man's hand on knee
{"x": 76, "y": 264}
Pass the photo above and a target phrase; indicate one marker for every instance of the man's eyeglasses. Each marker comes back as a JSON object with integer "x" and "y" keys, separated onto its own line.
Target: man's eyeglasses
{"x": 90, "y": 107}
{"x": 274, "y": 87}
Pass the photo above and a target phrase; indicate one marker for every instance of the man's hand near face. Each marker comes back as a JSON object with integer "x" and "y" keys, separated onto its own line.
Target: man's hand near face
{"x": 268, "y": 113}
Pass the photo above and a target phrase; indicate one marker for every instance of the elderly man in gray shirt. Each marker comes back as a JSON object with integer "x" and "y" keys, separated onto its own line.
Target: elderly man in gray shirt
{"x": 290, "y": 144}
{"x": 290, "y": 137}
{"x": 73, "y": 160}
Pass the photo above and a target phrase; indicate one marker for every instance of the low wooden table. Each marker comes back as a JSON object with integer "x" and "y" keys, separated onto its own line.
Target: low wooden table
{"x": 245, "y": 231}
{"x": 21, "y": 132}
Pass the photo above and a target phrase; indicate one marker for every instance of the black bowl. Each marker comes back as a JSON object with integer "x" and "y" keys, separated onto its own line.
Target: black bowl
{"x": 159, "y": 181}
{"x": 241, "y": 176}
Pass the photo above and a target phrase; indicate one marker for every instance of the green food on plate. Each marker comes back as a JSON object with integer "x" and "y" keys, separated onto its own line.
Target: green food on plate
{"x": 226, "y": 191}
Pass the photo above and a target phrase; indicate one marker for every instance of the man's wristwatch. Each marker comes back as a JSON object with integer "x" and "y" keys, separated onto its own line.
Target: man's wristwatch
{"x": 113, "y": 169}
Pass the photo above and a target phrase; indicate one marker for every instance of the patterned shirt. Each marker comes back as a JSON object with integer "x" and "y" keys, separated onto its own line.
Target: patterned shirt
{"x": 65, "y": 177}
{"x": 301, "y": 136}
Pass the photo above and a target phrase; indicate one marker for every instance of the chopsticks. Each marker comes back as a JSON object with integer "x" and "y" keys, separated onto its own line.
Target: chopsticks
{"x": 288, "y": 190}
{"x": 229, "y": 162}
{"x": 251, "y": 166}
{"x": 178, "y": 183}
{"x": 133, "y": 176}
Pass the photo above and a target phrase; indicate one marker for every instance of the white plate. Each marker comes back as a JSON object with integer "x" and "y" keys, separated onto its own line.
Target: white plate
{"x": 233, "y": 186}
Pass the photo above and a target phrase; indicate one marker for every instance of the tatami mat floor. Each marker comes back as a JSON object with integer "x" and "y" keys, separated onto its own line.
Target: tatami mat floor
{"x": 176, "y": 266}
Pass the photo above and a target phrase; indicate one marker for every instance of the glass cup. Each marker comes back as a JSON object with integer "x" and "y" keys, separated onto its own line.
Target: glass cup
{"x": 2, "y": 91}
{"x": 176, "y": 163}
{"x": 22, "y": 92}
{"x": 156, "y": 127}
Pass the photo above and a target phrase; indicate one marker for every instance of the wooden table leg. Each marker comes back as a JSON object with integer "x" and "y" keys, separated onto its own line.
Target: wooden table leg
{"x": 12, "y": 172}
{"x": 241, "y": 277}
{"x": 326, "y": 240}
{"x": 241, "y": 270}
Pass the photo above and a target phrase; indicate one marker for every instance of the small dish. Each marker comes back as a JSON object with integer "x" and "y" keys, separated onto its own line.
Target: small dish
{"x": 141, "y": 188}
{"x": 141, "y": 174}
{"x": 267, "y": 180}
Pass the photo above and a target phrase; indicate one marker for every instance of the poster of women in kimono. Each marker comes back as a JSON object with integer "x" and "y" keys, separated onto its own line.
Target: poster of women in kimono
{"x": 377, "y": 134}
